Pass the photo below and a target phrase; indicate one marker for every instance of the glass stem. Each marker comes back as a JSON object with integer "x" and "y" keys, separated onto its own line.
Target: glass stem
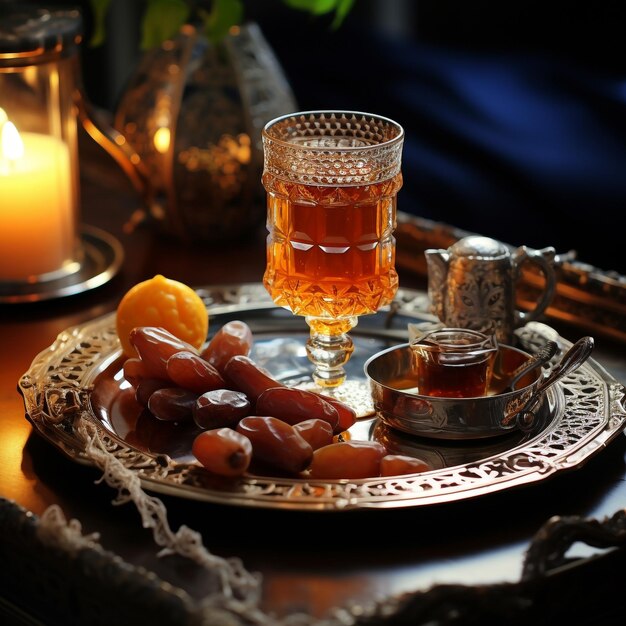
{"x": 329, "y": 348}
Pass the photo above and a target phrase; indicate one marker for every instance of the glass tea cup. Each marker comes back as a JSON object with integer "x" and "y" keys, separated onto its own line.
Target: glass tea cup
{"x": 332, "y": 179}
{"x": 454, "y": 362}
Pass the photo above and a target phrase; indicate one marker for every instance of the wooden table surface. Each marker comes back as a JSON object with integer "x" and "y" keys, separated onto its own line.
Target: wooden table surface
{"x": 310, "y": 562}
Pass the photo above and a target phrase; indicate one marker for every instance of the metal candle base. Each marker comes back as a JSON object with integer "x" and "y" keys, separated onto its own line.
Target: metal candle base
{"x": 101, "y": 259}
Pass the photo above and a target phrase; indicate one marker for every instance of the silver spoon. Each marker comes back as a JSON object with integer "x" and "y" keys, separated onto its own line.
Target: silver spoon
{"x": 571, "y": 360}
{"x": 543, "y": 356}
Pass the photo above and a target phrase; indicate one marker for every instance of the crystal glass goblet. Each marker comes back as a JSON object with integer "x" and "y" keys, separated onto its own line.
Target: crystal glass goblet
{"x": 331, "y": 179}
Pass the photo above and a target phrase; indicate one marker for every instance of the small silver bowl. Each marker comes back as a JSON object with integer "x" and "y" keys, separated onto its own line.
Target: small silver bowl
{"x": 491, "y": 415}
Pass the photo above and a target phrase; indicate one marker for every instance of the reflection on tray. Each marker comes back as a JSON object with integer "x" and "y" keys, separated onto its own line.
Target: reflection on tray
{"x": 440, "y": 454}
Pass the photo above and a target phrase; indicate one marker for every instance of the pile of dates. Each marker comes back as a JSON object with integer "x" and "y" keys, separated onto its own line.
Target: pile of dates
{"x": 246, "y": 415}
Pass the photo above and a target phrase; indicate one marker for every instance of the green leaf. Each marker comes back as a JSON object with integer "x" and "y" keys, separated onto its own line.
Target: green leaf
{"x": 223, "y": 15}
{"x": 316, "y": 7}
{"x": 99, "y": 10}
{"x": 342, "y": 10}
{"x": 321, "y": 7}
{"x": 162, "y": 20}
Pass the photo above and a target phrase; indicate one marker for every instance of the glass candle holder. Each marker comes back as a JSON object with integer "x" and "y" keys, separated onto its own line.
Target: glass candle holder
{"x": 39, "y": 186}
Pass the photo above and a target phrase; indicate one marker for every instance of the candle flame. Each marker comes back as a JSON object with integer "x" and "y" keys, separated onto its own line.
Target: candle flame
{"x": 162, "y": 139}
{"x": 11, "y": 144}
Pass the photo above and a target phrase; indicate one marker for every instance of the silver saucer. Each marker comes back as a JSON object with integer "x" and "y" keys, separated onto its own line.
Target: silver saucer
{"x": 103, "y": 257}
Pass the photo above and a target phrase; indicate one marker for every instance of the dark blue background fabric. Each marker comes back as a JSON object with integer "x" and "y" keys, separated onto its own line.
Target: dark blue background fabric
{"x": 513, "y": 142}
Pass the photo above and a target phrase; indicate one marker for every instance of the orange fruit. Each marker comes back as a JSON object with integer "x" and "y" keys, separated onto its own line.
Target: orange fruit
{"x": 166, "y": 303}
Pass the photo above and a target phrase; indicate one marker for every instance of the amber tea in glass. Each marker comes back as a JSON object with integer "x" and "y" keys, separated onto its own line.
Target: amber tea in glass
{"x": 454, "y": 363}
{"x": 331, "y": 179}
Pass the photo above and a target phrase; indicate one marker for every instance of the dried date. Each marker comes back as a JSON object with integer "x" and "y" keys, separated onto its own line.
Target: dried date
{"x": 296, "y": 405}
{"x": 220, "y": 408}
{"x": 346, "y": 414}
{"x": 223, "y": 451}
{"x": 135, "y": 371}
{"x": 155, "y": 346}
{"x": 245, "y": 375}
{"x": 172, "y": 404}
{"x": 147, "y": 387}
{"x": 232, "y": 339}
{"x": 190, "y": 371}
{"x": 276, "y": 443}
{"x": 399, "y": 464}
{"x": 317, "y": 433}
{"x": 348, "y": 459}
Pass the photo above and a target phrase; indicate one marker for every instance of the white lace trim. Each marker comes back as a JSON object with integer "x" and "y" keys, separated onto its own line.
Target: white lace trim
{"x": 54, "y": 529}
{"x": 236, "y": 601}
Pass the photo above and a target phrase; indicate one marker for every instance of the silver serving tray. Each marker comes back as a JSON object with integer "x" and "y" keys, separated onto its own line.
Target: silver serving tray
{"x": 76, "y": 384}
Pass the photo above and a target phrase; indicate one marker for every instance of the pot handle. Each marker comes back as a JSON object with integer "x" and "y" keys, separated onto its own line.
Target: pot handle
{"x": 116, "y": 145}
{"x": 572, "y": 359}
{"x": 544, "y": 259}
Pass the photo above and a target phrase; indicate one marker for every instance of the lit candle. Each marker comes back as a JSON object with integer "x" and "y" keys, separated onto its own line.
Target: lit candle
{"x": 37, "y": 228}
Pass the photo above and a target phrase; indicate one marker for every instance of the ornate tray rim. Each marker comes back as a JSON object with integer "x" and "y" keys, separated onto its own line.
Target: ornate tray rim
{"x": 56, "y": 391}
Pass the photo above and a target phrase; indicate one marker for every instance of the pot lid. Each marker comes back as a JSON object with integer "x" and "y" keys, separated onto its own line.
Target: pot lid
{"x": 479, "y": 247}
{"x": 28, "y": 31}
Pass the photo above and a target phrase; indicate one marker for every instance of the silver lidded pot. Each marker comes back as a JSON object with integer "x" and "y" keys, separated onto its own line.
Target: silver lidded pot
{"x": 472, "y": 285}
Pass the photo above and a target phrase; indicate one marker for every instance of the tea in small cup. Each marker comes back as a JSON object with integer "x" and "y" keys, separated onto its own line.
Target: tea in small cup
{"x": 454, "y": 362}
